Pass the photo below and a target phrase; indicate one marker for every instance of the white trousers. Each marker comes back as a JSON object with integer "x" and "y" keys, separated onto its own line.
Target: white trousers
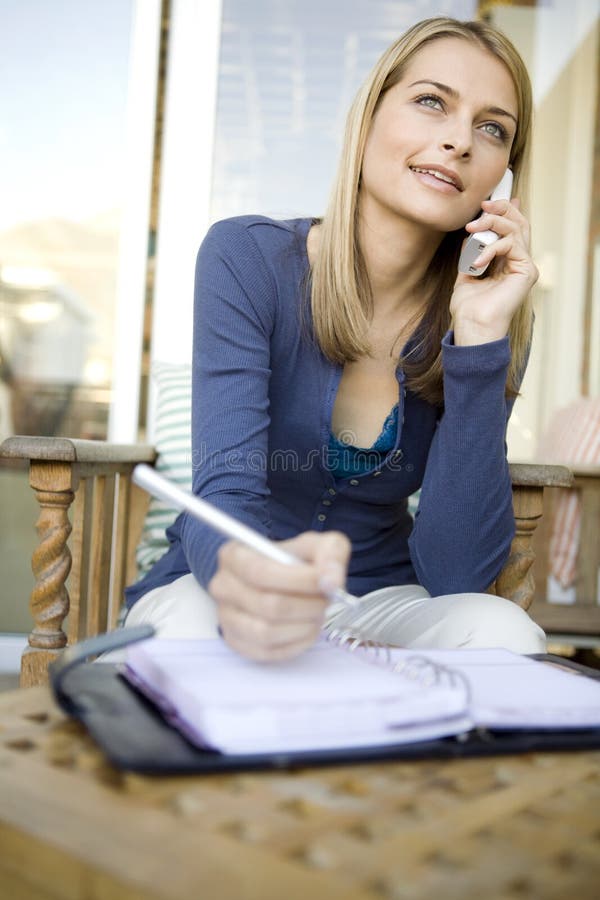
{"x": 406, "y": 616}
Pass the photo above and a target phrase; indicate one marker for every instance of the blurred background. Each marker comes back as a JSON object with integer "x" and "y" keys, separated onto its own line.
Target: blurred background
{"x": 128, "y": 126}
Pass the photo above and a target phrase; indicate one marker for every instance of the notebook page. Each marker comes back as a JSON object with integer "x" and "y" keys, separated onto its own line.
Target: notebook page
{"x": 325, "y": 698}
{"x": 513, "y": 691}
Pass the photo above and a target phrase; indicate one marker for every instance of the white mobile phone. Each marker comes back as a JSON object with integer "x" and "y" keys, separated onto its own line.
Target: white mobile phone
{"x": 482, "y": 239}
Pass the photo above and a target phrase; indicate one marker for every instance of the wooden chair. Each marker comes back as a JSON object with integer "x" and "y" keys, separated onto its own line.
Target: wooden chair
{"x": 81, "y": 568}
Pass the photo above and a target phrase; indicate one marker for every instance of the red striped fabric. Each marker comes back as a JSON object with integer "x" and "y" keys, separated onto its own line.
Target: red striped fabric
{"x": 572, "y": 438}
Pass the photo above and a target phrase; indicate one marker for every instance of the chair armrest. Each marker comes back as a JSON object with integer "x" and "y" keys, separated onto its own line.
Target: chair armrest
{"x": 536, "y": 475}
{"x": 95, "y": 553}
{"x": 73, "y": 450}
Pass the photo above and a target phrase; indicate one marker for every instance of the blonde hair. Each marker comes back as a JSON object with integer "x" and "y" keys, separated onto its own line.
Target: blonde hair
{"x": 340, "y": 293}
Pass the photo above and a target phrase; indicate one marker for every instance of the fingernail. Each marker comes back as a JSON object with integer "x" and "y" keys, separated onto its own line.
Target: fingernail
{"x": 332, "y": 577}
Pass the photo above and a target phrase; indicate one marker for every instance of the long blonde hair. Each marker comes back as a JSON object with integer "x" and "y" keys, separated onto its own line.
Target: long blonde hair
{"x": 340, "y": 293}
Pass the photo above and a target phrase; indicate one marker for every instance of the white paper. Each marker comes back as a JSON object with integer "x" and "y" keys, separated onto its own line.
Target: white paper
{"x": 513, "y": 691}
{"x": 325, "y": 698}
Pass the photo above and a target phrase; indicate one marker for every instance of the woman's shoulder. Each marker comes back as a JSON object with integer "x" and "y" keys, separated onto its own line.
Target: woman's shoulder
{"x": 266, "y": 233}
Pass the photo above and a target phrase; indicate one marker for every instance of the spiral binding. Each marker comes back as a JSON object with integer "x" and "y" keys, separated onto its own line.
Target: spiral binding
{"x": 416, "y": 667}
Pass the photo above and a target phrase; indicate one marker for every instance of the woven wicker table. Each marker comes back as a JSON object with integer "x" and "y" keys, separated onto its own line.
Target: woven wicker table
{"x": 73, "y": 827}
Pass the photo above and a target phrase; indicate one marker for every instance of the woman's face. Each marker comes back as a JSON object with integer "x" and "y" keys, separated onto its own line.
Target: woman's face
{"x": 440, "y": 139}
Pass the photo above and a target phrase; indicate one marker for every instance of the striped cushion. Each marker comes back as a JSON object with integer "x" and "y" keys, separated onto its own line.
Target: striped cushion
{"x": 172, "y": 439}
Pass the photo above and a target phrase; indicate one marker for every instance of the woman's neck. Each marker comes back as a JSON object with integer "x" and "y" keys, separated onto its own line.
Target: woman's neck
{"x": 397, "y": 254}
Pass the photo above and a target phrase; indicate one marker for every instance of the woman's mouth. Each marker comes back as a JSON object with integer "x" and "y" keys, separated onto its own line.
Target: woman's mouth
{"x": 438, "y": 177}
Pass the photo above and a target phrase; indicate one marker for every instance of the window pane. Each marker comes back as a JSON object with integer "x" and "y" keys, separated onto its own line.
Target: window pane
{"x": 287, "y": 75}
{"x": 63, "y": 88}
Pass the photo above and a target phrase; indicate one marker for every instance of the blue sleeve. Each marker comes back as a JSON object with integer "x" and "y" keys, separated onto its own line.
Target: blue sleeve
{"x": 465, "y": 524}
{"x": 234, "y": 309}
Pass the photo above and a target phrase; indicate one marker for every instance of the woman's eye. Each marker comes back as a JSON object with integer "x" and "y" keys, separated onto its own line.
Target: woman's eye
{"x": 495, "y": 130}
{"x": 430, "y": 101}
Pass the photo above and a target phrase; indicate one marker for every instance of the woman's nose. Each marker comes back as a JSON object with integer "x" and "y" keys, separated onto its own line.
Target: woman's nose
{"x": 457, "y": 141}
{"x": 457, "y": 149}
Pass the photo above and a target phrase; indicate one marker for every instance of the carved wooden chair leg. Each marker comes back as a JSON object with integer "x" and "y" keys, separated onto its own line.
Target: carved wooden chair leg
{"x": 516, "y": 582}
{"x": 51, "y": 564}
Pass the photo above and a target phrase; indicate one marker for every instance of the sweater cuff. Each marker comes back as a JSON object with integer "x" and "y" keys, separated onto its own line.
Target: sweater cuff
{"x": 474, "y": 359}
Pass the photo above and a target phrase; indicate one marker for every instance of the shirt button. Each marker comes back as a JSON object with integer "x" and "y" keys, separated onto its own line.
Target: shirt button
{"x": 398, "y": 454}
{"x": 332, "y": 492}
{"x": 326, "y": 502}
{"x": 375, "y": 474}
{"x": 321, "y": 518}
{"x": 354, "y": 482}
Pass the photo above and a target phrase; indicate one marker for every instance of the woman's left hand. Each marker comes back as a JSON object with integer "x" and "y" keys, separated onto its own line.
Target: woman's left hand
{"x": 482, "y": 308}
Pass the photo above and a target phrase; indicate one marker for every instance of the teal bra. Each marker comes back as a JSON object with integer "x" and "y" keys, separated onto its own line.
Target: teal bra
{"x": 347, "y": 461}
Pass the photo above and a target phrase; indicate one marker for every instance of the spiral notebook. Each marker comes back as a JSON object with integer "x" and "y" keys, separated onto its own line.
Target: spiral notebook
{"x": 331, "y": 697}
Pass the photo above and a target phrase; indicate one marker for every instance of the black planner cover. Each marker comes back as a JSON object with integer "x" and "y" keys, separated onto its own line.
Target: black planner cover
{"x": 134, "y": 735}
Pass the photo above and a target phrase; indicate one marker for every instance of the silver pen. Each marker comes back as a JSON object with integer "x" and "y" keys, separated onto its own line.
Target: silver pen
{"x": 149, "y": 479}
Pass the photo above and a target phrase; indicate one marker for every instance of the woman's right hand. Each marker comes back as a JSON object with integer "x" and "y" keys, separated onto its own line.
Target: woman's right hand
{"x": 268, "y": 611}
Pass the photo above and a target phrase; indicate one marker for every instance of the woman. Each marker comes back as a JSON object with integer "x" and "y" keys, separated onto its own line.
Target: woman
{"x": 340, "y": 365}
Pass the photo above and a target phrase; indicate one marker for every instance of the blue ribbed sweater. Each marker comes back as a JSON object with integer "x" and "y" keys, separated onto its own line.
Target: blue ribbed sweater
{"x": 262, "y": 401}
